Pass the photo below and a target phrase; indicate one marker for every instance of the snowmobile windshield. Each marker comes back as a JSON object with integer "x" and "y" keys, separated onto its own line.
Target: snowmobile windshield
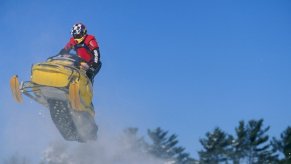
{"x": 67, "y": 59}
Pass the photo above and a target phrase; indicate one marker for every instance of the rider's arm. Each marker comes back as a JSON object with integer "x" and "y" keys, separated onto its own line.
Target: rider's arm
{"x": 68, "y": 47}
{"x": 93, "y": 45}
{"x": 96, "y": 53}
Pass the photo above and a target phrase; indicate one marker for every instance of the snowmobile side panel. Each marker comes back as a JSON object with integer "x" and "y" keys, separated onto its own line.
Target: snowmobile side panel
{"x": 77, "y": 102}
{"x": 74, "y": 96}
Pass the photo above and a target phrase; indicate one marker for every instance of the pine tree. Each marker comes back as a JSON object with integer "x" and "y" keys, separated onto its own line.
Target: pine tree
{"x": 217, "y": 147}
{"x": 166, "y": 148}
{"x": 252, "y": 144}
{"x": 239, "y": 144}
{"x": 283, "y": 145}
{"x": 134, "y": 141}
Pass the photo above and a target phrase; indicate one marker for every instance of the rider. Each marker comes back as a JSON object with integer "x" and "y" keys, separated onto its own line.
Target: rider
{"x": 86, "y": 48}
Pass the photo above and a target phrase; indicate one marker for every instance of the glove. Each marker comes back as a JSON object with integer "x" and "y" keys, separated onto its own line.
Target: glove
{"x": 90, "y": 72}
{"x": 93, "y": 70}
{"x": 63, "y": 51}
{"x": 94, "y": 65}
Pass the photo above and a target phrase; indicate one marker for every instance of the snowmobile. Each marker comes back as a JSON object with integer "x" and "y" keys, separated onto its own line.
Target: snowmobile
{"x": 61, "y": 84}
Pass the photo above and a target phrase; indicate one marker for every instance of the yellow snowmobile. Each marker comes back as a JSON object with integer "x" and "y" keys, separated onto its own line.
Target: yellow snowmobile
{"x": 61, "y": 85}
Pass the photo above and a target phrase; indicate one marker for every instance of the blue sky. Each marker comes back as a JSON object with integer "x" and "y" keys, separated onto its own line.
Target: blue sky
{"x": 184, "y": 66}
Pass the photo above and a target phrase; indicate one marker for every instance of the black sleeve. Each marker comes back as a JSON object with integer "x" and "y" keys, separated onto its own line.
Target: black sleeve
{"x": 96, "y": 57}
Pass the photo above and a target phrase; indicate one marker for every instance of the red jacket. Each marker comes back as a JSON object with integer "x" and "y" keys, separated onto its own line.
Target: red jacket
{"x": 85, "y": 48}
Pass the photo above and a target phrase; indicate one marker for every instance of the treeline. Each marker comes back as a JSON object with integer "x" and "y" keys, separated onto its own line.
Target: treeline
{"x": 250, "y": 144}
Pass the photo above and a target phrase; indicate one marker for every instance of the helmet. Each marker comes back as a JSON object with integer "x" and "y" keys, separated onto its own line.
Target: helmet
{"x": 78, "y": 32}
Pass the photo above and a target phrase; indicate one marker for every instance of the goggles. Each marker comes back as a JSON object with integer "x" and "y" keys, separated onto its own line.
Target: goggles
{"x": 77, "y": 36}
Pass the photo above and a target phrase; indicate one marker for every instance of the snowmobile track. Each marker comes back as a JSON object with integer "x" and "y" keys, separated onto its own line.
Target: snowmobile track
{"x": 62, "y": 117}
